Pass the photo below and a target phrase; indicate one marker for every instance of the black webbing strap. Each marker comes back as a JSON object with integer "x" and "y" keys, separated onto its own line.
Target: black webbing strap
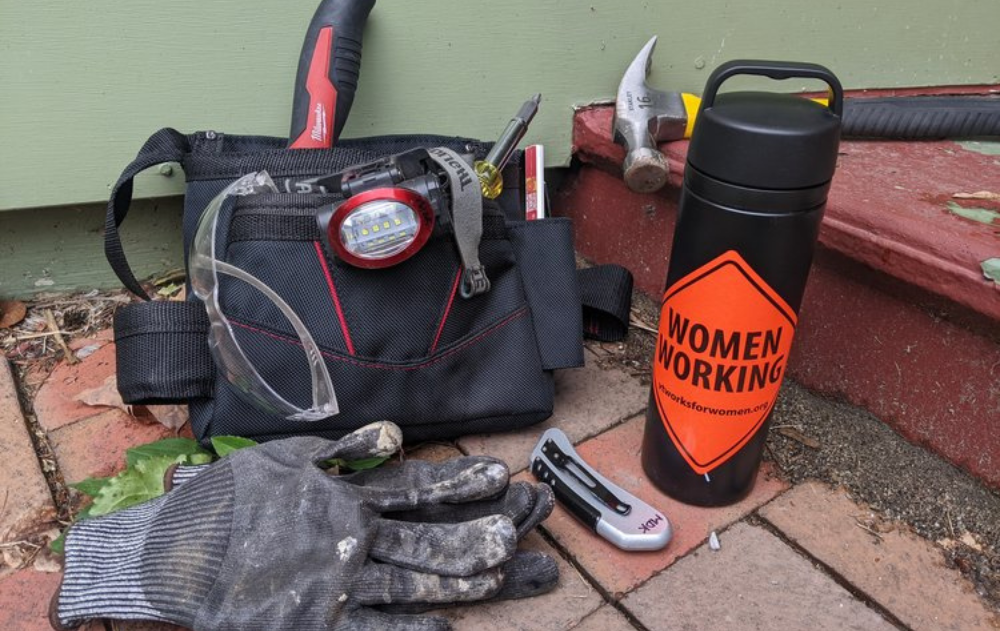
{"x": 606, "y": 295}
{"x": 166, "y": 145}
{"x": 162, "y": 352}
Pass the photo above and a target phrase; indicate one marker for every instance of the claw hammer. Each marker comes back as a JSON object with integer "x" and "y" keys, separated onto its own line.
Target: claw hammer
{"x": 645, "y": 116}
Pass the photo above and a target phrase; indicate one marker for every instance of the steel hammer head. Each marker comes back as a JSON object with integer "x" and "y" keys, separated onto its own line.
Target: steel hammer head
{"x": 643, "y": 117}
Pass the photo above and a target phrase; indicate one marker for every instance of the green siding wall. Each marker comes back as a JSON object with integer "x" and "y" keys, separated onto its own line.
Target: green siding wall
{"x": 82, "y": 84}
{"x": 62, "y": 249}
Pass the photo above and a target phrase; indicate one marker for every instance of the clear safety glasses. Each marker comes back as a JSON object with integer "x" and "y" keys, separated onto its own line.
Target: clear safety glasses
{"x": 204, "y": 269}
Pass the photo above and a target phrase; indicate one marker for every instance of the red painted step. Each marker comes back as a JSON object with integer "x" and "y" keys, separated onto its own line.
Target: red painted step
{"x": 897, "y": 317}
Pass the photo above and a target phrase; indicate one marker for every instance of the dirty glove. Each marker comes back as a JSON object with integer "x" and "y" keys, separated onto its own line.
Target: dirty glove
{"x": 264, "y": 540}
{"x": 528, "y": 574}
{"x": 525, "y": 503}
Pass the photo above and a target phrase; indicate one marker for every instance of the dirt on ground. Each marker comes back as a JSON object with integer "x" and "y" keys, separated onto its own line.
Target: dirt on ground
{"x": 815, "y": 437}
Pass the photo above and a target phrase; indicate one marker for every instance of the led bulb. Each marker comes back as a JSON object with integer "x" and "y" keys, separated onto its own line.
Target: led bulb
{"x": 380, "y": 227}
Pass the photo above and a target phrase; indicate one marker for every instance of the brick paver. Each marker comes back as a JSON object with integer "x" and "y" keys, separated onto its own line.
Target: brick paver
{"x": 434, "y": 452}
{"x": 55, "y": 405}
{"x": 607, "y": 618}
{"x": 24, "y": 495}
{"x": 589, "y": 400}
{"x": 95, "y": 446}
{"x": 900, "y": 571}
{"x": 561, "y": 608}
{"x": 24, "y": 600}
{"x": 616, "y": 454}
{"x": 754, "y": 583}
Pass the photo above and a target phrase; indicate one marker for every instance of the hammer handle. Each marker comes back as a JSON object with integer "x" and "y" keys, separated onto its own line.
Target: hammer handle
{"x": 327, "y": 77}
{"x": 922, "y": 117}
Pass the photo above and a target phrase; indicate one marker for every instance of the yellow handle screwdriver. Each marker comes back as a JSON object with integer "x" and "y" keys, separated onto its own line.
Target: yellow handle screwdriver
{"x": 489, "y": 169}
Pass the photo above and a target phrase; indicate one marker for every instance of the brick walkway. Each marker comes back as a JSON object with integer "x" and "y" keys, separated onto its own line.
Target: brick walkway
{"x": 791, "y": 558}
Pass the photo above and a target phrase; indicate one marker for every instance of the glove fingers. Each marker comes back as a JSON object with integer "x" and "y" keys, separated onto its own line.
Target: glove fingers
{"x": 545, "y": 501}
{"x": 462, "y": 549}
{"x": 528, "y": 574}
{"x": 365, "y": 619}
{"x": 375, "y": 440}
{"x": 416, "y": 483}
{"x": 385, "y": 584}
{"x": 517, "y": 503}
{"x": 418, "y": 472}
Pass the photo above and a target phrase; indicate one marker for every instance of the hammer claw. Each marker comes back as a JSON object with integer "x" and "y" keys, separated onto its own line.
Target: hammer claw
{"x": 643, "y": 117}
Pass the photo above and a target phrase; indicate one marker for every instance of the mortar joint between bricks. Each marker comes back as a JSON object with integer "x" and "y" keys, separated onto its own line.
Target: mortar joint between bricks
{"x": 44, "y": 453}
{"x": 762, "y": 522}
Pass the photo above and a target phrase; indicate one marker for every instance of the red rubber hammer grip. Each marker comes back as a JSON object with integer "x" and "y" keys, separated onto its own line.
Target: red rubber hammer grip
{"x": 328, "y": 73}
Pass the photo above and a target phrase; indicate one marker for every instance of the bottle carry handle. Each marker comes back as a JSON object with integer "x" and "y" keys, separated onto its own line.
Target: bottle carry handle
{"x": 779, "y": 71}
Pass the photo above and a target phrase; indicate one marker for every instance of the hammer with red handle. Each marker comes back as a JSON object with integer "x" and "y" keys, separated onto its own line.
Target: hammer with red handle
{"x": 327, "y": 77}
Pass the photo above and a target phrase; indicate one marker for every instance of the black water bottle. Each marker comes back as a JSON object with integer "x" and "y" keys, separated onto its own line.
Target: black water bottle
{"x": 758, "y": 171}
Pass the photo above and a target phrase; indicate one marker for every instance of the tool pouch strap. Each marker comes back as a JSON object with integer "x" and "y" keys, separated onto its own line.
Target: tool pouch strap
{"x": 606, "y": 295}
{"x": 166, "y": 145}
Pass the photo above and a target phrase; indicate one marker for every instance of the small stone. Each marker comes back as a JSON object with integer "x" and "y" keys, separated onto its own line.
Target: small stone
{"x": 970, "y": 540}
{"x": 713, "y": 542}
{"x": 87, "y": 351}
{"x": 46, "y": 562}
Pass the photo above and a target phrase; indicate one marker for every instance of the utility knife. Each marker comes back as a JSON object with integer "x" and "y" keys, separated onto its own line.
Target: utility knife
{"x": 608, "y": 510}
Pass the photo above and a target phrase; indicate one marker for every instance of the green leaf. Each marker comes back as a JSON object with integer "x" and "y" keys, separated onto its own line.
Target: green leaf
{"x": 134, "y": 485}
{"x": 168, "y": 290}
{"x": 355, "y": 465}
{"x": 90, "y": 486}
{"x": 366, "y": 463}
{"x": 168, "y": 447}
{"x": 991, "y": 269}
{"x": 200, "y": 458}
{"x": 226, "y": 444}
{"x": 982, "y": 215}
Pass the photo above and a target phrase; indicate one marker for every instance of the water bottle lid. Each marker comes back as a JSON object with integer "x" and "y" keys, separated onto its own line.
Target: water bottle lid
{"x": 767, "y": 140}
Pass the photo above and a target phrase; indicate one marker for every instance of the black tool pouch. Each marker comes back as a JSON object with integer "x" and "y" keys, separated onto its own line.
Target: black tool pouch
{"x": 399, "y": 343}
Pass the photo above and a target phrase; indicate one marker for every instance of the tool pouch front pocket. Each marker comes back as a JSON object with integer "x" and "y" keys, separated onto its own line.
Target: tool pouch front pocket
{"x": 400, "y": 343}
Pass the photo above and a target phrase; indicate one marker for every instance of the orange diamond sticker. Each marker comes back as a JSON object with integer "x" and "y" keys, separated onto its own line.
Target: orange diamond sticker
{"x": 723, "y": 345}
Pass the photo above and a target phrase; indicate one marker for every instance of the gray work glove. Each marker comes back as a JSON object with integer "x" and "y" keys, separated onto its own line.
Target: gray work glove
{"x": 264, "y": 540}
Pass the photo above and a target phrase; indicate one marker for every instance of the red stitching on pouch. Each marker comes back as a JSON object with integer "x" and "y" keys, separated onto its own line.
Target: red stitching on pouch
{"x": 333, "y": 294}
{"x": 447, "y": 310}
{"x": 520, "y": 313}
